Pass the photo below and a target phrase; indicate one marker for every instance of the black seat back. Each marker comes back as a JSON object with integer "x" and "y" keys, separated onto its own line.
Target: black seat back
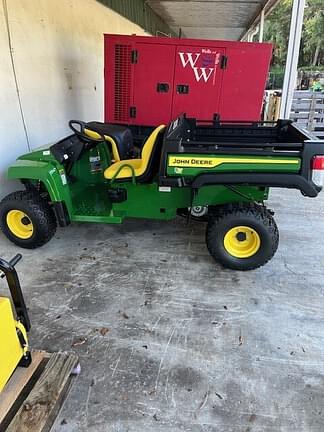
{"x": 120, "y": 134}
{"x": 154, "y": 162}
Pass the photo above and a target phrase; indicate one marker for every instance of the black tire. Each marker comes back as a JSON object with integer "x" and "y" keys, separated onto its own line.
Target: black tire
{"x": 249, "y": 215}
{"x": 39, "y": 214}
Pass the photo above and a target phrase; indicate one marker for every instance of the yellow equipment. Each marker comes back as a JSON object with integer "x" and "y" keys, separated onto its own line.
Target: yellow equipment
{"x": 13, "y": 329}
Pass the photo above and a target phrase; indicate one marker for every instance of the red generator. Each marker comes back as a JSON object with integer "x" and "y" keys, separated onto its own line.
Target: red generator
{"x": 151, "y": 80}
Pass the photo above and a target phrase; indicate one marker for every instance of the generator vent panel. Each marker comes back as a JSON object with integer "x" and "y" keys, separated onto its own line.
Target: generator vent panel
{"x": 122, "y": 81}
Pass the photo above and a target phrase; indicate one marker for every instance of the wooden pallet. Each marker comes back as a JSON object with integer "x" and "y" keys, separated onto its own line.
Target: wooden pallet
{"x": 308, "y": 111}
{"x": 33, "y": 396}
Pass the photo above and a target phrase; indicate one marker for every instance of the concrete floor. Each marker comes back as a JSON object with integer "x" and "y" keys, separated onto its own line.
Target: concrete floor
{"x": 168, "y": 340}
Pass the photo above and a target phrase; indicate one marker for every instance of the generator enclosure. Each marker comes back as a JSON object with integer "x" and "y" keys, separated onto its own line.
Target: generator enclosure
{"x": 152, "y": 80}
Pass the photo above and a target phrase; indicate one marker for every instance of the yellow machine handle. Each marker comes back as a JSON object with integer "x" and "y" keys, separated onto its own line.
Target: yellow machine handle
{"x": 9, "y": 272}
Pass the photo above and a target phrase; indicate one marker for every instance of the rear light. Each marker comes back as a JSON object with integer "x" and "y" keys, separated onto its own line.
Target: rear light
{"x": 318, "y": 170}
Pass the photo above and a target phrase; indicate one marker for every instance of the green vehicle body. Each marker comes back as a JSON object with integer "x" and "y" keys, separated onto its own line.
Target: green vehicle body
{"x": 86, "y": 199}
{"x": 214, "y": 172}
{"x": 221, "y": 174}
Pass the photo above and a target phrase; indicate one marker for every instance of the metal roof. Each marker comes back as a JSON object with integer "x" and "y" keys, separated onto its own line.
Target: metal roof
{"x": 211, "y": 19}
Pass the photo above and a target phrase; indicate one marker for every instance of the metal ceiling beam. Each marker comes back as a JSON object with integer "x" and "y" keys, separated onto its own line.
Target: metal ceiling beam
{"x": 214, "y": 16}
{"x": 206, "y": 1}
{"x": 266, "y": 9}
{"x": 140, "y": 13}
{"x": 155, "y": 16}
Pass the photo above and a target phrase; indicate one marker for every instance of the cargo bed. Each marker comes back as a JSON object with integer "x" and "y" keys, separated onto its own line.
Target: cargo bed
{"x": 269, "y": 154}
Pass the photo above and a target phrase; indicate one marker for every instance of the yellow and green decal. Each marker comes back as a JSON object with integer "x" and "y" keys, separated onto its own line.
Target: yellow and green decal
{"x": 190, "y": 164}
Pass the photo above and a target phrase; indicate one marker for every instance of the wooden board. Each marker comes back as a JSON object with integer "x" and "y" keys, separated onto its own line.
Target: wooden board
{"x": 17, "y": 382}
{"x": 33, "y": 396}
{"x": 308, "y": 110}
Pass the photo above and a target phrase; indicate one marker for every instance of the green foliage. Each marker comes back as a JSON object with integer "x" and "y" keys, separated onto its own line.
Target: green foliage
{"x": 312, "y": 44}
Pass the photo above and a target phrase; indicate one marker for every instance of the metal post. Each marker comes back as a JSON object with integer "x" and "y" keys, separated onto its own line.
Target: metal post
{"x": 296, "y": 24}
{"x": 252, "y": 33}
{"x": 261, "y": 30}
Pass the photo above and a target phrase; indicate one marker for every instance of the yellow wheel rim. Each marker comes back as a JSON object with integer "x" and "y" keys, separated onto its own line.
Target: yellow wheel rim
{"x": 242, "y": 242}
{"x": 19, "y": 224}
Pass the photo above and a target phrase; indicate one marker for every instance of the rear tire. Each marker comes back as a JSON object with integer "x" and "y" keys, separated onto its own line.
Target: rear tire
{"x": 242, "y": 236}
{"x": 27, "y": 219}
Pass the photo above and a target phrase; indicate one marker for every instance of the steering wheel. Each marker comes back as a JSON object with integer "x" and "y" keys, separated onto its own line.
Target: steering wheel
{"x": 79, "y": 130}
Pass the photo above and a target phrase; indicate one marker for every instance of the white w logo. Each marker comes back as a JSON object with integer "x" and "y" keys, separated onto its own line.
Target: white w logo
{"x": 189, "y": 59}
{"x": 203, "y": 73}
{"x": 200, "y": 73}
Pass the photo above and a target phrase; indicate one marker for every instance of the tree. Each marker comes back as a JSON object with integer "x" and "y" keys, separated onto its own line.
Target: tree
{"x": 314, "y": 31}
{"x": 312, "y": 44}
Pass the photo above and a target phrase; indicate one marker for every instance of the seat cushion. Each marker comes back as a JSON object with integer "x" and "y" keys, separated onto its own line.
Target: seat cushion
{"x": 140, "y": 166}
{"x": 125, "y": 172}
{"x": 121, "y": 135}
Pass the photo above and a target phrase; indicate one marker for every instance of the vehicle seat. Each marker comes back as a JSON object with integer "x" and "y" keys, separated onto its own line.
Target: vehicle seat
{"x": 120, "y": 138}
{"x": 142, "y": 167}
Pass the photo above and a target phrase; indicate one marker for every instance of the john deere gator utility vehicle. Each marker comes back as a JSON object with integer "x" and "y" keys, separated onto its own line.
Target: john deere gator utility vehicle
{"x": 218, "y": 172}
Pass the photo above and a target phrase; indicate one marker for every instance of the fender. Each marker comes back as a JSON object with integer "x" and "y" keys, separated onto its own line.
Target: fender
{"x": 52, "y": 176}
{"x": 290, "y": 181}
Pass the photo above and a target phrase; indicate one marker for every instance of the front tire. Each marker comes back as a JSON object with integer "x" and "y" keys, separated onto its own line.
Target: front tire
{"x": 242, "y": 236}
{"x": 27, "y": 219}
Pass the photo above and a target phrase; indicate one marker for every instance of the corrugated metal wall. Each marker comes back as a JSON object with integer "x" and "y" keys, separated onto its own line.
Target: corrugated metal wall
{"x": 140, "y": 13}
